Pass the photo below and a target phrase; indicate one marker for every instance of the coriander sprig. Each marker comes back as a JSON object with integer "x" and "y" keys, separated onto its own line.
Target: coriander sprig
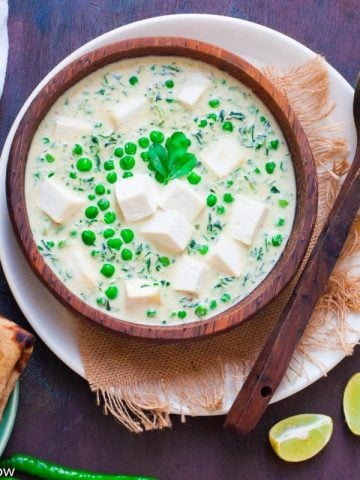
{"x": 173, "y": 160}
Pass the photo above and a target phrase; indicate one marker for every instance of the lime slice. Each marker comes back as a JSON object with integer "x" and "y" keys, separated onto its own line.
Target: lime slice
{"x": 300, "y": 437}
{"x": 351, "y": 404}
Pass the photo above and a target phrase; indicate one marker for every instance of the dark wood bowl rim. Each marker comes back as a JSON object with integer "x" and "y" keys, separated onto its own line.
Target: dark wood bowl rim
{"x": 305, "y": 172}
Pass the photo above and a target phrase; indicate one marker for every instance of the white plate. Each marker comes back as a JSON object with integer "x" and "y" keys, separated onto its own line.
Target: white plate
{"x": 7, "y": 423}
{"x": 260, "y": 46}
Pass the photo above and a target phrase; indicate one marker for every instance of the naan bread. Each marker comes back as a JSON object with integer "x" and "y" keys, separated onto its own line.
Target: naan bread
{"x": 16, "y": 346}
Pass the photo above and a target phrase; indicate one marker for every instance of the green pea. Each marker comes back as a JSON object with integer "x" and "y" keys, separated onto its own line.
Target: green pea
{"x": 78, "y": 149}
{"x": 181, "y": 314}
{"x": 156, "y": 136}
{"x": 228, "y": 198}
{"x": 50, "y": 244}
{"x": 127, "y": 175}
{"x": 112, "y": 292}
{"x": 280, "y": 222}
{"x": 88, "y": 237}
{"x": 270, "y": 167}
{"x": 165, "y": 261}
{"x": 257, "y": 170}
{"x": 144, "y": 156}
{"x": 91, "y": 196}
{"x": 211, "y": 200}
{"x": 103, "y": 204}
{"x": 118, "y": 152}
{"x": 127, "y": 235}
{"x": 127, "y": 162}
{"x": 84, "y": 164}
{"x": 201, "y": 311}
{"x": 100, "y": 189}
{"x": 220, "y": 210}
{"x": 277, "y": 240}
{"x": 91, "y": 212}
{"x": 214, "y": 103}
{"x": 225, "y": 297}
{"x": 108, "y": 232}
{"x": 73, "y": 175}
{"x": 126, "y": 254}
{"x": 203, "y": 249}
{"x": 228, "y": 126}
{"x": 130, "y": 148}
{"x": 49, "y": 158}
{"x": 202, "y": 123}
{"x": 101, "y": 301}
{"x": 274, "y": 144}
{"x": 283, "y": 203}
{"x": 151, "y": 313}
{"x": 212, "y": 116}
{"x": 109, "y": 217}
{"x": 169, "y": 83}
{"x": 109, "y": 165}
{"x": 114, "y": 243}
{"x": 212, "y": 304}
{"x": 133, "y": 80}
{"x": 143, "y": 142}
{"x": 111, "y": 177}
{"x": 194, "y": 178}
{"x": 107, "y": 270}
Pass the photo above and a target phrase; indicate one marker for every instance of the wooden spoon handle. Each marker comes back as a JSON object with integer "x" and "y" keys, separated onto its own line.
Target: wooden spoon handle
{"x": 274, "y": 359}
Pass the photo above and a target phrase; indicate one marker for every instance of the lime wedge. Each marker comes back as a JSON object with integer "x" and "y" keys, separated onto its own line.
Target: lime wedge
{"x": 300, "y": 437}
{"x": 351, "y": 404}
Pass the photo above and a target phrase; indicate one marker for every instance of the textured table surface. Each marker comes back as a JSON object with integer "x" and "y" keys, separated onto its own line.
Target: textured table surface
{"x": 57, "y": 417}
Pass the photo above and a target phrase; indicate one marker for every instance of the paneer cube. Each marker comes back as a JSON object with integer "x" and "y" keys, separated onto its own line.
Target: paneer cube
{"x": 182, "y": 198}
{"x": 193, "y": 91}
{"x": 58, "y": 201}
{"x": 83, "y": 266}
{"x": 224, "y": 156}
{"x": 127, "y": 110}
{"x": 228, "y": 256}
{"x": 139, "y": 291}
{"x": 246, "y": 217}
{"x": 137, "y": 197}
{"x": 189, "y": 275}
{"x": 71, "y": 129}
{"x": 168, "y": 229}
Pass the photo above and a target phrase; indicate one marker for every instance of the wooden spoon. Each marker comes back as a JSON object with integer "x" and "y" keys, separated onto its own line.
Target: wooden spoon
{"x": 274, "y": 359}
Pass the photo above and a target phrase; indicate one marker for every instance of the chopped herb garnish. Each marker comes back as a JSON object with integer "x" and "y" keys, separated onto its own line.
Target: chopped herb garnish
{"x": 173, "y": 160}
{"x": 283, "y": 203}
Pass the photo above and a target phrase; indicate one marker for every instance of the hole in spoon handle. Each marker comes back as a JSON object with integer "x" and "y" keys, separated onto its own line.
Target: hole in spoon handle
{"x": 266, "y": 391}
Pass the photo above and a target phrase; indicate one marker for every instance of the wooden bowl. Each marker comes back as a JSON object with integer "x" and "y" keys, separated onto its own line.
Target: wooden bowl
{"x": 306, "y": 181}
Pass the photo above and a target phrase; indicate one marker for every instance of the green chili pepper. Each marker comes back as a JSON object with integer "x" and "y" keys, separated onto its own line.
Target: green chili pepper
{"x": 51, "y": 471}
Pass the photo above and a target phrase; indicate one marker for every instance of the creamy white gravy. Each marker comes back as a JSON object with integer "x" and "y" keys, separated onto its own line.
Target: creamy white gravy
{"x": 225, "y": 109}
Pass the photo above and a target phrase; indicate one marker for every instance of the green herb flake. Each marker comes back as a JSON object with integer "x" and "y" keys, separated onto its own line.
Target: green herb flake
{"x": 283, "y": 203}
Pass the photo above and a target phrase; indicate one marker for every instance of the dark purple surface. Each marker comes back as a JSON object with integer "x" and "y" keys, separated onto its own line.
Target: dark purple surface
{"x": 57, "y": 417}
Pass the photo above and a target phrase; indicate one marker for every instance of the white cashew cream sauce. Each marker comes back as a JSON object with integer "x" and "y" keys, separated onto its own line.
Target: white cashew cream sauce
{"x": 197, "y": 244}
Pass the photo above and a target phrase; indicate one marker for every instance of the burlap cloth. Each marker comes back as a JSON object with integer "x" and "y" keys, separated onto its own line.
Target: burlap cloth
{"x": 136, "y": 382}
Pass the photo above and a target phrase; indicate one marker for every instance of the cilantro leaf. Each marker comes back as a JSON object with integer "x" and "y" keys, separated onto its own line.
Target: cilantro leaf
{"x": 177, "y": 146}
{"x": 183, "y": 165}
{"x": 158, "y": 159}
{"x": 173, "y": 160}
